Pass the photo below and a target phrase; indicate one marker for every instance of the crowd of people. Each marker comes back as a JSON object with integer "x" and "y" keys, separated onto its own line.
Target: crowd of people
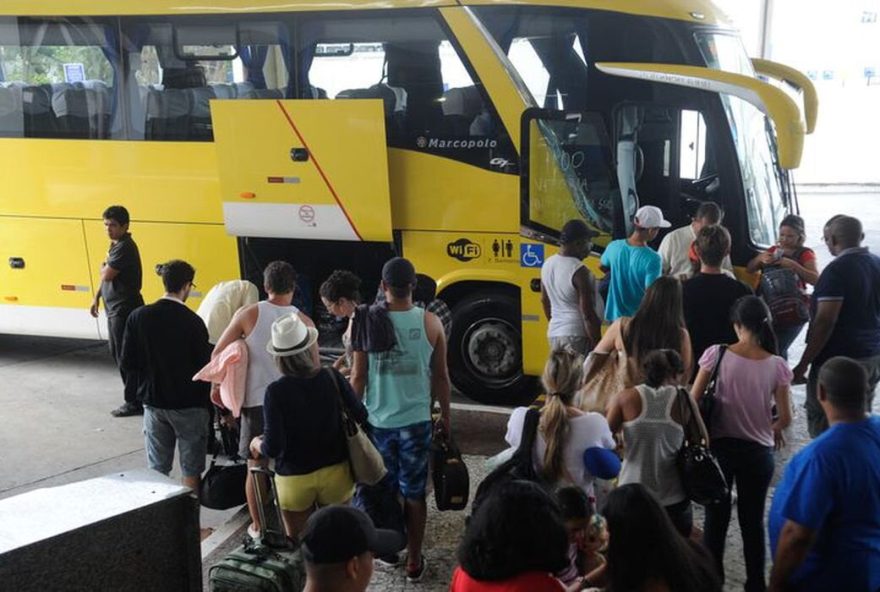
{"x": 678, "y": 328}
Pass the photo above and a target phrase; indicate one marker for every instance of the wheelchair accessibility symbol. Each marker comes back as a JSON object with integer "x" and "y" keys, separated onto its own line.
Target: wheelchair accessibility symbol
{"x": 531, "y": 255}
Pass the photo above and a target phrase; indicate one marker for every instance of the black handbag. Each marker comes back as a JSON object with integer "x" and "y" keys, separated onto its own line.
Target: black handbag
{"x": 223, "y": 486}
{"x": 701, "y": 475}
{"x": 707, "y": 401}
{"x": 519, "y": 467}
{"x": 449, "y": 474}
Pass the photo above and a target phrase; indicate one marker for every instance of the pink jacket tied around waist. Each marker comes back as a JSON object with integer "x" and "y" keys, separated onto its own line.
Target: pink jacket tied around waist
{"x": 229, "y": 369}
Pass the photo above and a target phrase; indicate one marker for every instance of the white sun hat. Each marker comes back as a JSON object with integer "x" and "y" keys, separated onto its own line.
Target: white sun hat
{"x": 290, "y": 336}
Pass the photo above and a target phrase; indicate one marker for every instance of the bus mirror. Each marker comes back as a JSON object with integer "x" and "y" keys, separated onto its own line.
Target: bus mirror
{"x": 772, "y": 101}
{"x": 798, "y": 81}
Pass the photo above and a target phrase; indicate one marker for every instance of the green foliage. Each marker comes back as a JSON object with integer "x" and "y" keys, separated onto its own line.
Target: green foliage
{"x": 42, "y": 65}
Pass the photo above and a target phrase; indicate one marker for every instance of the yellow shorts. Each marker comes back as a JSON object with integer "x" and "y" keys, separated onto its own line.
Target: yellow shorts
{"x": 327, "y": 486}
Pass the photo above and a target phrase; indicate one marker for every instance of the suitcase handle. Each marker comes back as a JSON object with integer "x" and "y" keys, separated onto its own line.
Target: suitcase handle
{"x": 269, "y": 537}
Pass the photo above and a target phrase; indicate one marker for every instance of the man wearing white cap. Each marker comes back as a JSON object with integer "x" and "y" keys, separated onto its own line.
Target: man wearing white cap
{"x": 633, "y": 264}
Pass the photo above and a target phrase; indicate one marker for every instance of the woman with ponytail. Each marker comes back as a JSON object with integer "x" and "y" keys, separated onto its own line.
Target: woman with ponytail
{"x": 564, "y": 432}
{"x": 651, "y": 419}
{"x": 752, "y": 378}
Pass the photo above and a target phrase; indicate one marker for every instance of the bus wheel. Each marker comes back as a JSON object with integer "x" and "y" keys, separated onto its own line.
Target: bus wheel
{"x": 485, "y": 352}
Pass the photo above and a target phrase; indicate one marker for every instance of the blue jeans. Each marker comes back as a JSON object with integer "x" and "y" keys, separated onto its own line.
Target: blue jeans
{"x": 749, "y": 465}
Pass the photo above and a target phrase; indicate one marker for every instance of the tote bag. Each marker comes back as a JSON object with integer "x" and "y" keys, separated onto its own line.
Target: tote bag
{"x": 365, "y": 460}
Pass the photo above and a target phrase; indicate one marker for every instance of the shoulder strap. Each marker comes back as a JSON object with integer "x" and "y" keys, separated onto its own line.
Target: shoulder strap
{"x": 714, "y": 378}
{"x": 530, "y": 430}
{"x": 694, "y": 430}
{"x": 333, "y": 378}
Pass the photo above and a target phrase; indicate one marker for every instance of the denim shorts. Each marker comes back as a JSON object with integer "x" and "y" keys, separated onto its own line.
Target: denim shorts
{"x": 405, "y": 452}
{"x": 187, "y": 427}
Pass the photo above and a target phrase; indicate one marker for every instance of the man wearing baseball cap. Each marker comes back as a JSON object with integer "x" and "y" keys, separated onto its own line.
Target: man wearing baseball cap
{"x": 633, "y": 264}
{"x": 398, "y": 387}
{"x": 338, "y": 545}
{"x": 569, "y": 293}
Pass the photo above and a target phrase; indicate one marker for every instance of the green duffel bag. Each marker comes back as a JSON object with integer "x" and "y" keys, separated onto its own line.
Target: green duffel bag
{"x": 254, "y": 567}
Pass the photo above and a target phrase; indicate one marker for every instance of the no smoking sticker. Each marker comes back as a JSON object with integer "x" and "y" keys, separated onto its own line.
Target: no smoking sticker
{"x": 307, "y": 215}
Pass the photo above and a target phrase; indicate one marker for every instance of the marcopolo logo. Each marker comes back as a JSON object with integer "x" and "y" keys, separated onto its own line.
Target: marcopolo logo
{"x": 463, "y": 250}
{"x": 469, "y": 144}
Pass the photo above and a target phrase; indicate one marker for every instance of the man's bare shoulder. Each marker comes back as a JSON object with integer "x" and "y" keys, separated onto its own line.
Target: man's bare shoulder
{"x": 433, "y": 327}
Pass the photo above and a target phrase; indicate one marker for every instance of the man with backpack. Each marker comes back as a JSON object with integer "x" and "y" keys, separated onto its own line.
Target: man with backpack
{"x": 846, "y": 314}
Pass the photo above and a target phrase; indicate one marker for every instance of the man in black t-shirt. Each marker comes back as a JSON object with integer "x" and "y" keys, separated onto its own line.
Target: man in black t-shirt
{"x": 165, "y": 345}
{"x": 121, "y": 278}
{"x": 709, "y": 295}
{"x": 845, "y": 314}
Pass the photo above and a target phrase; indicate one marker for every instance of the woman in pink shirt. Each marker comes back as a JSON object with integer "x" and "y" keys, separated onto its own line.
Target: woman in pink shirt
{"x": 751, "y": 379}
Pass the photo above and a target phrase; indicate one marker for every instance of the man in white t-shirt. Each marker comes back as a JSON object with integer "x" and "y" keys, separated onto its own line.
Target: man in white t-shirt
{"x": 569, "y": 293}
{"x": 675, "y": 248}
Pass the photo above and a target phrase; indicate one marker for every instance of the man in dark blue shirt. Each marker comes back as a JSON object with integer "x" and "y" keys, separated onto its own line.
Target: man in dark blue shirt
{"x": 846, "y": 314}
{"x": 824, "y": 523}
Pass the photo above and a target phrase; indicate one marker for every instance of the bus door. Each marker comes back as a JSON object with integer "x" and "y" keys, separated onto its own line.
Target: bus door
{"x": 567, "y": 172}
{"x": 303, "y": 169}
{"x": 47, "y": 286}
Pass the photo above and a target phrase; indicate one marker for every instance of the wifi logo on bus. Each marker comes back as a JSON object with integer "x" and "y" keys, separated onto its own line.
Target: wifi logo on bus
{"x": 464, "y": 250}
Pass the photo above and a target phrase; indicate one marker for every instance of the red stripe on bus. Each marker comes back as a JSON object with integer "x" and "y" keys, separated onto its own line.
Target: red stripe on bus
{"x": 318, "y": 167}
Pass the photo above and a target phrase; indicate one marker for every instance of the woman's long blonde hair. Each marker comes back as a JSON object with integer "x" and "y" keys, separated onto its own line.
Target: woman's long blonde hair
{"x": 562, "y": 378}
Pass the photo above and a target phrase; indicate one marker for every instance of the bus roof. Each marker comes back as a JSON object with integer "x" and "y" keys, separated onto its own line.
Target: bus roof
{"x": 689, "y": 10}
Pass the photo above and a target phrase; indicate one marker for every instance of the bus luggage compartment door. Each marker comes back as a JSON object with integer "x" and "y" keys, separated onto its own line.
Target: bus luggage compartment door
{"x": 304, "y": 169}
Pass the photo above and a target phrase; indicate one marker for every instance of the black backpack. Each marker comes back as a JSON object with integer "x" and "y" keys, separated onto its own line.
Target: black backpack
{"x": 780, "y": 289}
{"x": 519, "y": 467}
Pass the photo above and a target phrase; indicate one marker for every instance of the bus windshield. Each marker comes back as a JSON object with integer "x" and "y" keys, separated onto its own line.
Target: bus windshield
{"x": 651, "y": 126}
{"x": 760, "y": 174}
{"x": 752, "y": 136}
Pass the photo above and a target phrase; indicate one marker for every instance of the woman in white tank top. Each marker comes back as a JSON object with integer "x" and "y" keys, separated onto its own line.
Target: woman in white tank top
{"x": 651, "y": 422}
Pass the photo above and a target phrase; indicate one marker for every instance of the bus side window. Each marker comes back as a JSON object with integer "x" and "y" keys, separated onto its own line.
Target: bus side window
{"x": 58, "y": 78}
{"x": 692, "y": 137}
{"x": 169, "y": 95}
{"x": 431, "y": 101}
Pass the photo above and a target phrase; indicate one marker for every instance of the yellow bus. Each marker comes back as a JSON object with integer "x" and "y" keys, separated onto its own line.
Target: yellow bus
{"x": 233, "y": 133}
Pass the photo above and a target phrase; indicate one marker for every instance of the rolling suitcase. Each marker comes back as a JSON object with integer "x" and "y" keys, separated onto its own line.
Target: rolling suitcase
{"x": 271, "y": 564}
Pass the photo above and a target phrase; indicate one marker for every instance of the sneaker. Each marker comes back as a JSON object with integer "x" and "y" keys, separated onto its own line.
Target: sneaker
{"x": 389, "y": 560}
{"x": 253, "y": 532}
{"x": 414, "y": 575}
{"x": 128, "y": 409}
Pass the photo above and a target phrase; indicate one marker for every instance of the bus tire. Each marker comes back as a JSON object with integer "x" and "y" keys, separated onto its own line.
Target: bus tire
{"x": 485, "y": 350}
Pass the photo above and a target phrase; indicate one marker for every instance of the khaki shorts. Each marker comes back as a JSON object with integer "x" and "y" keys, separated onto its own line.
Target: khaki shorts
{"x": 324, "y": 487}
{"x": 251, "y": 426}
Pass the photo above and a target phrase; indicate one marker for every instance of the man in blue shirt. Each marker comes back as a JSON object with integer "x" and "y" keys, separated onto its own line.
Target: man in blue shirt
{"x": 633, "y": 264}
{"x": 846, "y": 313}
{"x": 824, "y": 522}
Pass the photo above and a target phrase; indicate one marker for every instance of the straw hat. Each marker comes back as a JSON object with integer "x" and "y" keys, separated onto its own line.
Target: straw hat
{"x": 290, "y": 336}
